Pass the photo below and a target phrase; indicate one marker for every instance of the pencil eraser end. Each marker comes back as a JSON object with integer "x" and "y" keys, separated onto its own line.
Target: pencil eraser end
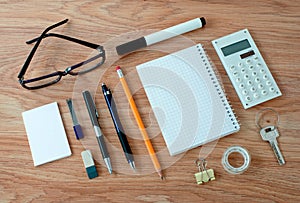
{"x": 118, "y": 68}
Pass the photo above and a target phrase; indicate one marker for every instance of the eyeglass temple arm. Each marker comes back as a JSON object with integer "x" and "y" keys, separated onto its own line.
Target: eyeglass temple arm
{"x": 84, "y": 43}
{"x": 38, "y": 41}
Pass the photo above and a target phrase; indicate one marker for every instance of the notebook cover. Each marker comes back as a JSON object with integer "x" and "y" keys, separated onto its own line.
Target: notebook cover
{"x": 187, "y": 99}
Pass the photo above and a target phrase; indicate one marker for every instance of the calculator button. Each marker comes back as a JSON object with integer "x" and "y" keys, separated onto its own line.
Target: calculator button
{"x": 257, "y": 80}
{"x": 232, "y": 68}
{"x": 260, "y": 86}
{"x": 271, "y": 89}
{"x": 265, "y": 77}
{"x": 249, "y": 82}
{"x": 258, "y": 65}
{"x": 262, "y": 70}
{"x": 253, "y": 89}
{"x": 238, "y": 80}
{"x": 248, "y": 98}
{"x": 240, "y": 64}
{"x": 256, "y": 58}
{"x": 246, "y": 76}
{"x": 242, "y": 86}
{"x": 254, "y": 74}
{"x": 251, "y": 67}
{"x": 248, "y": 61}
{"x": 268, "y": 82}
{"x": 235, "y": 73}
{"x": 255, "y": 95}
{"x": 243, "y": 70}
{"x": 264, "y": 92}
{"x": 245, "y": 92}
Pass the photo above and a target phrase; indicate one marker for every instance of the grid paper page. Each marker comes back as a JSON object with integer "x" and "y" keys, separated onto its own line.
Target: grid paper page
{"x": 187, "y": 99}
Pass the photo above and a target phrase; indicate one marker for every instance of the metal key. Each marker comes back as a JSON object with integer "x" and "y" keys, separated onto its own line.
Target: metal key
{"x": 270, "y": 133}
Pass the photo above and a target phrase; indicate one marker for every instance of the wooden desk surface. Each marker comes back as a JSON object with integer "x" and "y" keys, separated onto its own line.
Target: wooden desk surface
{"x": 274, "y": 26}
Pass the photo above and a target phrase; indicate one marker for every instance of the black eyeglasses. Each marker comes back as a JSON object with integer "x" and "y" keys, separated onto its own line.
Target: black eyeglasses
{"x": 50, "y": 79}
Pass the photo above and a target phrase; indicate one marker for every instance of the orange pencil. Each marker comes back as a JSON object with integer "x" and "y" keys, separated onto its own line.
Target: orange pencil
{"x": 139, "y": 121}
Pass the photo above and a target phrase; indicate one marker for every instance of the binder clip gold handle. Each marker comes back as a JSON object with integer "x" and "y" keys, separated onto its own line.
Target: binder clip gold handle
{"x": 204, "y": 175}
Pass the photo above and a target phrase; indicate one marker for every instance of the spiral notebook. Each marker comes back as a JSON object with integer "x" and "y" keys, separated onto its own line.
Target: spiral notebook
{"x": 187, "y": 99}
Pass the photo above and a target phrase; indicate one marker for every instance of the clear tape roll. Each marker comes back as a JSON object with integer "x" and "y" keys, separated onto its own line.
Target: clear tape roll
{"x": 228, "y": 167}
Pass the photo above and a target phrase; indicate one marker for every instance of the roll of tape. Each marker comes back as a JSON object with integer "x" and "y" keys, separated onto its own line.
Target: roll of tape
{"x": 229, "y": 168}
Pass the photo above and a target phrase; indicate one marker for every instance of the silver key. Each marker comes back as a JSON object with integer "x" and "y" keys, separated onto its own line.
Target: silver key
{"x": 270, "y": 133}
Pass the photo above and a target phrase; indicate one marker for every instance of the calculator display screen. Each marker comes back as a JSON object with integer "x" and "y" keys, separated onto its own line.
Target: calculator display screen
{"x": 235, "y": 47}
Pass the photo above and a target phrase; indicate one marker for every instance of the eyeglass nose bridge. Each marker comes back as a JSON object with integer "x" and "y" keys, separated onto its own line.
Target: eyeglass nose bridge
{"x": 67, "y": 71}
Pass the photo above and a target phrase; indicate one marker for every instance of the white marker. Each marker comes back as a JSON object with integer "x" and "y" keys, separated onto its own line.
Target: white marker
{"x": 160, "y": 36}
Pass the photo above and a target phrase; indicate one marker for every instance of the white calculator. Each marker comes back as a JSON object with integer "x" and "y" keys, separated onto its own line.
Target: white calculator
{"x": 246, "y": 68}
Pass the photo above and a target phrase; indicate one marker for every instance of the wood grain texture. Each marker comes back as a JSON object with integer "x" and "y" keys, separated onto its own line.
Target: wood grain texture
{"x": 274, "y": 26}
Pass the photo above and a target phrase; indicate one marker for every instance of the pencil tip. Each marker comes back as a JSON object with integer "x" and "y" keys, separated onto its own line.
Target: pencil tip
{"x": 161, "y": 175}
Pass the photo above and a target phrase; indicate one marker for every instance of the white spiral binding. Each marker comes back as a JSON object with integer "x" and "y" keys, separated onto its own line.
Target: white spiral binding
{"x": 218, "y": 85}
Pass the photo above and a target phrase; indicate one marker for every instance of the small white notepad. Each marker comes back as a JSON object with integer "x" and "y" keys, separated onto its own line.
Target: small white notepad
{"x": 187, "y": 99}
{"x": 46, "y": 134}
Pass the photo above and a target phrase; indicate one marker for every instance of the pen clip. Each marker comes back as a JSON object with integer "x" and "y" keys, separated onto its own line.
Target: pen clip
{"x": 96, "y": 112}
{"x": 106, "y": 91}
{"x": 94, "y": 107}
{"x": 94, "y": 115}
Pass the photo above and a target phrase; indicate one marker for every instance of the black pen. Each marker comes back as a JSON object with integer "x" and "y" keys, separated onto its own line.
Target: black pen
{"x": 120, "y": 131}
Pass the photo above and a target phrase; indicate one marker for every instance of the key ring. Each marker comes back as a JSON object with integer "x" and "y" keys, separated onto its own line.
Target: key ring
{"x": 261, "y": 113}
